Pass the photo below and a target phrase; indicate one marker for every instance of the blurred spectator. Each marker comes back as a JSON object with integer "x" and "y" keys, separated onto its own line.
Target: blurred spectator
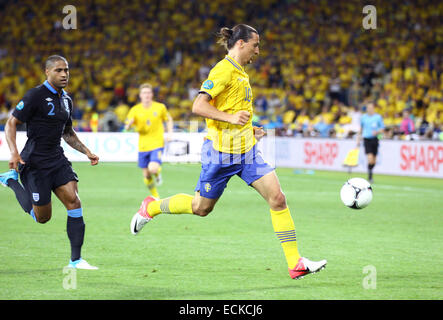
{"x": 322, "y": 128}
{"x": 109, "y": 122}
{"x": 351, "y": 128}
{"x": 193, "y": 90}
{"x": 121, "y": 111}
{"x": 302, "y": 122}
{"x": 4, "y": 115}
{"x": 425, "y": 131}
{"x": 273, "y": 105}
{"x": 407, "y": 126}
{"x": 335, "y": 87}
{"x": 261, "y": 104}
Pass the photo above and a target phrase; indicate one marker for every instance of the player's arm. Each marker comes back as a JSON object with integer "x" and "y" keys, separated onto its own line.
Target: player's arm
{"x": 259, "y": 132}
{"x": 202, "y": 107}
{"x": 128, "y": 124}
{"x": 74, "y": 142}
{"x": 169, "y": 126}
{"x": 11, "y": 138}
{"x": 381, "y": 127}
{"x": 130, "y": 119}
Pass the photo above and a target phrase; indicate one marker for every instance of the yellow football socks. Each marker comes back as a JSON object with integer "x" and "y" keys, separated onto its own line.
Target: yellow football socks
{"x": 285, "y": 230}
{"x": 179, "y": 204}
{"x": 150, "y": 183}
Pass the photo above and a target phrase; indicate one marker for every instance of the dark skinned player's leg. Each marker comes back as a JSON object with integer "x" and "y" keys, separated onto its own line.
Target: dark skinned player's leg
{"x": 42, "y": 214}
{"x": 75, "y": 226}
{"x": 35, "y": 195}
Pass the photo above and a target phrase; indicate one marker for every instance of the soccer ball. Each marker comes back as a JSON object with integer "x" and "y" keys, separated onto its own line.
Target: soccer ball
{"x": 356, "y": 193}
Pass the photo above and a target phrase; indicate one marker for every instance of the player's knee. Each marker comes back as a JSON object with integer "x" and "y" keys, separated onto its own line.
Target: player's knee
{"x": 73, "y": 203}
{"x": 201, "y": 211}
{"x": 153, "y": 171}
{"x": 43, "y": 218}
{"x": 42, "y": 214}
{"x": 278, "y": 201}
{"x": 153, "y": 168}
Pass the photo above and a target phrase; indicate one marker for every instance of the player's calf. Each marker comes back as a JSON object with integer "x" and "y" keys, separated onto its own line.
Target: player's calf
{"x": 75, "y": 228}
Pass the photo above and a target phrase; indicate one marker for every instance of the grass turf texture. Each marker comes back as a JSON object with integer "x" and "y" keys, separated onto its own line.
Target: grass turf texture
{"x": 233, "y": 253}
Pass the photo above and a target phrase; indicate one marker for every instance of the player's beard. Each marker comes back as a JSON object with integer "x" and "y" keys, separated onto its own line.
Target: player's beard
{"x": 58, "y": 84}
{"x": 62, "y": 84}
{"x": 251, "y": 59}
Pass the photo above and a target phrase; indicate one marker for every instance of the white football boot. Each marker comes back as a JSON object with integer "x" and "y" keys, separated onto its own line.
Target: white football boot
{"x": 305, "y": 267}
{"x": 141, "y": 217}
{"x": 81, "y": 264}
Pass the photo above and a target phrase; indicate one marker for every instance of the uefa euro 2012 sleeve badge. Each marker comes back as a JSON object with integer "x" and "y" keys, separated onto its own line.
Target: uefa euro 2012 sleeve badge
{"x": 208, "y": 84}
{"x": 20, "y": 105}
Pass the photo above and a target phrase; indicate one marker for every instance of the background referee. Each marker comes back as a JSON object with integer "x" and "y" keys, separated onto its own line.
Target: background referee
{"x": 371, "y": 125}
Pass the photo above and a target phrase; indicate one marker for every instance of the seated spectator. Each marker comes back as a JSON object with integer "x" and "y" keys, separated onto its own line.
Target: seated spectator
{"x": 322, "y": 128}
{"x": 301, "y": 121}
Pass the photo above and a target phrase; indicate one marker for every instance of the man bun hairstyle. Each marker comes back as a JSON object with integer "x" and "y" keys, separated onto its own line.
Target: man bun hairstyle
{"x": 228, "y": 37}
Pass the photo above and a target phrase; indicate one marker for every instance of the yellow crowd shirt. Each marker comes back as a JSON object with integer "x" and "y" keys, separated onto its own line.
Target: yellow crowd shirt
{"x": 148, "y": 122}
{"x": 228, "y": 85}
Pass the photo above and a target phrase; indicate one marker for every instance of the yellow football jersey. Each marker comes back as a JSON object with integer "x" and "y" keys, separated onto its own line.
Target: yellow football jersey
{"x": 228, "y": 85}
{"x": 148, "y": 122}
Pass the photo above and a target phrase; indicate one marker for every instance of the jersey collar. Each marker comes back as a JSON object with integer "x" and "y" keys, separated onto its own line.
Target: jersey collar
{"x": 50, "y": 88}
{"x": 234, "y": 63}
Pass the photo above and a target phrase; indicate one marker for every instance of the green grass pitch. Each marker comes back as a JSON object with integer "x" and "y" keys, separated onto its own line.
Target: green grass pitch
{"x": 389, "y": 250}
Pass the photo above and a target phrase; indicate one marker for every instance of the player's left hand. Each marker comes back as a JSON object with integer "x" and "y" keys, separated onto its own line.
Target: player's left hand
{"x": 93, "y": 158}
{"x": 259, "y": 132}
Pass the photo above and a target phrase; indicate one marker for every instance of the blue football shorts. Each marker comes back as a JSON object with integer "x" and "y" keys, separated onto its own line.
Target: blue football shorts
{"x": 150, "y": 156}
{"x": 219, "y": 167}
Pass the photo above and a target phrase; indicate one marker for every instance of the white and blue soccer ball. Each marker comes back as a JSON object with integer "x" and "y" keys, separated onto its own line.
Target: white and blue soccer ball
{"x": 356, "y": 193}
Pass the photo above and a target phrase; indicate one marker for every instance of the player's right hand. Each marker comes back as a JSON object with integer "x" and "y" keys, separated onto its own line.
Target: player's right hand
{"x": 14, "y": 161}
{"x": 93, "y": 158}
{"x": 240, "y": 118}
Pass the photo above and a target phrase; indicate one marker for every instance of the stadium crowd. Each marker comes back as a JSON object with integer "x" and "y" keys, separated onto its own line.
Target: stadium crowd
{"x": 317, "y": 68}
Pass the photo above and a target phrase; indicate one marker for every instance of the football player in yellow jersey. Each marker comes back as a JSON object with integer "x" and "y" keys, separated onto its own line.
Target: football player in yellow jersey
{"x": 225, "y": 100}
{"x": 148, "y": 118}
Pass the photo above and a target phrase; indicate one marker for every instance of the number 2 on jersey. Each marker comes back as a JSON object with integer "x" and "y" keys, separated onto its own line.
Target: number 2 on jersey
{"x": 51, "y": 112}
